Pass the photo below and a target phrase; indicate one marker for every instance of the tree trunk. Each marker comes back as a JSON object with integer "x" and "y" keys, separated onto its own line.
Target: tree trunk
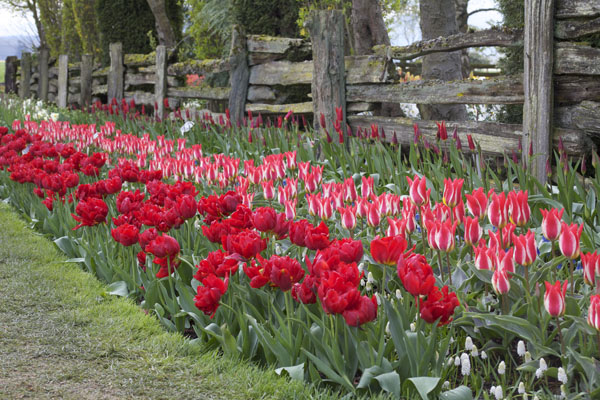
{"x": 166, "y": 36}
{"x": 438, "y": 18}
{"x": 369, "y": 30}
{"x": 32, "y": 5}
{"x": 462, "y": 17}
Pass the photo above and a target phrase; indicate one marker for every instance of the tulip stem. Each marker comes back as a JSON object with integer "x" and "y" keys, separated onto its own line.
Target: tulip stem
{"x": 560, "y": 335}
{"x": 504, "y": 303}
{"x": 527, "y": 281}
{"x": 571, "y": 267}
{"x": 440, "y": 264}
{"x": 449, "y": 268}
{"x": 598, "y": 338}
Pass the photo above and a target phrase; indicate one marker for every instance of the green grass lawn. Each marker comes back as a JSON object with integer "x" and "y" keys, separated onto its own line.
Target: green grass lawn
{"x": 63, "y": 336}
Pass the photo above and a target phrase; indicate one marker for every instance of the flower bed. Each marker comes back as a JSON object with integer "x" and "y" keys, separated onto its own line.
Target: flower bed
{"x": 443, "y": 282}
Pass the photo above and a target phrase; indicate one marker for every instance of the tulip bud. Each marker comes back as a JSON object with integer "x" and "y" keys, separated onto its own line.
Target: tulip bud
{"x": 593, "y": 318}
{"x": 554, "y": 298}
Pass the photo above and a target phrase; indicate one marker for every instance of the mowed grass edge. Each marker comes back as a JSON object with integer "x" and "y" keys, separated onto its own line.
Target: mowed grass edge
{"x": 61, "y": 335}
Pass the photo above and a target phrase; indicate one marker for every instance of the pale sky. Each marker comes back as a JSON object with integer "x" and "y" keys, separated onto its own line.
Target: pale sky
{"x": 12, "y": 23}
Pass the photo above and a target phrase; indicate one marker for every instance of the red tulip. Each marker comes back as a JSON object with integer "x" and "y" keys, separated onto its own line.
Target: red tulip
{"x": 373, "y": 215}
{"x": 518, "y": 206}
{"x": 439, "y": 304}
{"x": 348, "y": 217}
{"x": 209, "y": 295}
{"x": 419, "y": 194}
{"x": 317, "y": 237}
{"x": 248, "y": 244}
{"x": 298, "y": 232}
{"x": 268, "y": 190}
{"x": 593, "y": 318}
{"x": 348, "y": 250}
{"x": 591, "y": 267}
{"x": 500, "y": 281}
{"x": 186, "y": 206}
{"x": 498, "y": 210}
{"x": 416, "y": 274}
{"x": 217, "y": 263}
{"x": 505, "y": 262}
{"x": 337, "y": 294}
{"x": 90, "y": 212}
{"x": 305, "y": 292}
{"x": 364, "y": 310}
{"x": 525, "y": 248}
{"x": 442, "y": 133}
{"x": 388, "y": 250}
{"x": 554, "y": 298}
{"x": 473, "y": 231}
{"x": 569, "y": 240}
{"x": 484, "y": 258}
{"x": 366, "y": 188}
{"x": 125, "y": 234}
{"x": 163, "y": 246}
{"x": 264, "y": 219}
{"x": 284, "y": 271}
{"x": 471, "y": 142}
{"x": 551, "y": 223}
{"x": 452, "y": 192}
{"x": 441, "y": 235}
{"x": 507, "y": 232}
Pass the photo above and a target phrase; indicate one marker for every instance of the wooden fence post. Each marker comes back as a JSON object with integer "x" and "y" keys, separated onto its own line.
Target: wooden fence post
{"x": 537, "y": 85}
{"x": 25, "y": 90}
{"x": 160, "y": 86}
{"x": 10, "y": 74}
{"x": 63, "y": 80}
{"x": 115, "y": 75}
{"x": 87, "y": 61}
{"x": 329, "y": 75}
{"x": 43, "y": 70}
{"x": 240, "y": 76}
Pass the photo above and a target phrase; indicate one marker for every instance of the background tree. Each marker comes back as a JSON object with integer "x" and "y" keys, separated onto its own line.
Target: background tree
{"x": 164, "y": 29}
{"x": 438, "y": 18}
{"x": 70, "y": 42}
{"x": 50, "y": 12}
{"x": 25, "y": 7}
{"x": 132, "y": 23}
{"x": 86, "y": 23}
{"x": 210, "y": 24}
{"x": 268, "y": 17}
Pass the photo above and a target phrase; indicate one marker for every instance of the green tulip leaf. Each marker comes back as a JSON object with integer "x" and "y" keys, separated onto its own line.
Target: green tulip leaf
{"x": 424, "y": 385}
{"x": 390, "y": 382}
{"x": 295, "y": 372}
{"x": 460, "y": 393}
{"x": 118, "y": 289}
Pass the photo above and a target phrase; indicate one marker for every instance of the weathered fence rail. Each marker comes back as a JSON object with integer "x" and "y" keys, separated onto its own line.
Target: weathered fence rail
{"x": 274, "y": 75}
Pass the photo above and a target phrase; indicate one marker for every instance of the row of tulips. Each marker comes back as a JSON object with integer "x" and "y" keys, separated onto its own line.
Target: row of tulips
{"x": 284, "y": 253}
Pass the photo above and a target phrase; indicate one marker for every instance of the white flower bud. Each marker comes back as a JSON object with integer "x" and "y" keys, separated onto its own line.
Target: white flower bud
{"x": 446, "y": 385}
{"x": 465, "y": 364}
{"x": 361, "y": 267}
{"x": 492, "y": 390}
{"x": 451, "y": 339}
{"x": 475, "y": 351}
{"x": 378, "y": 297}
{"x": 528, "y": 356}
{"x": 498, "y": 393}
{"x": 450, "y": 361}
{"x": 370, "y": 278}
{"x": 535, "y": 397}
{"x": 413, "y": 327}
{"x": 368, "y": 286}
{"x": 387, "y": 328}
{"x": 475, "y": 329}
{"x": 521, "y": 389}
{"x": 468, "y": 343}
{"x": 521, "y": 350}
{"x": 563, "y": 392}
{"x": 457, "y": 361}
{"x": 501, "y": 368}
{"x": 483, "y": 355}
{"x": 562, "y": 375}
{"x": 398, "y": 294}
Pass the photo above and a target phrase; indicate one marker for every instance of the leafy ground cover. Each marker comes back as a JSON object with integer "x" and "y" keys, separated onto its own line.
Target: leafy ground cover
{"x": 63, "y": 336}
{"x": 419, "y": 273}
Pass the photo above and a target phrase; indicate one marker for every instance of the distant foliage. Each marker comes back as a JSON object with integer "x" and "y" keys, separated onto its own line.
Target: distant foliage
{"x": 268, "y": 17}
{"x": 129, "y": 21}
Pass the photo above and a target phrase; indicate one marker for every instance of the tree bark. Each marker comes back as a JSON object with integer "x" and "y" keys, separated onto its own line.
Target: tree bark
{"x": 462, "y": 17}
{"x": 166, "y": 36}
{"x": 369, "y": 30}
{"x": 438, "y": 18}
